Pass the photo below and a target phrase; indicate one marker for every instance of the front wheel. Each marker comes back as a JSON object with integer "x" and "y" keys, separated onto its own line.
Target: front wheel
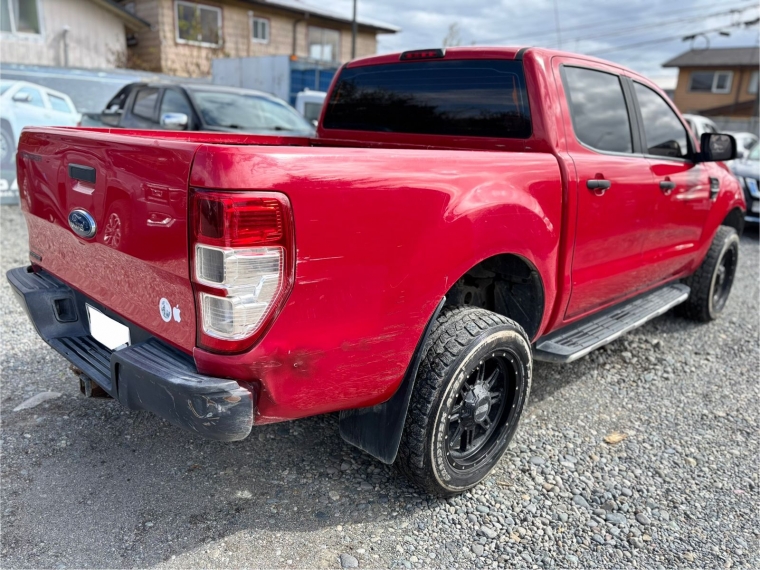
{"x": 470, "y": 391}
{"x": 7, "y": 146}
{"x": 711, "y": 283}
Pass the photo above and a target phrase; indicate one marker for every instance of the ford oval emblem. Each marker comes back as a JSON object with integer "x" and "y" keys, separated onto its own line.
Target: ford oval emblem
{"x": 82, "y": 223}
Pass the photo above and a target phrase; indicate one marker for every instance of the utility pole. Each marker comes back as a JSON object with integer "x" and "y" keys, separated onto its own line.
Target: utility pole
{"x": 556, "y": 23}
{"x": 353, "y": 34}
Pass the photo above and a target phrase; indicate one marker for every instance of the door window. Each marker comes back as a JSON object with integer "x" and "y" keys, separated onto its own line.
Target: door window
{"x": 665, "y": 134}
{"x": 36, "y": 96}
{"x": 59, "y": 104}
{"x": 145, "y": 103}
{"x": 175, "y": 102}
{"x": 598, "y": 110}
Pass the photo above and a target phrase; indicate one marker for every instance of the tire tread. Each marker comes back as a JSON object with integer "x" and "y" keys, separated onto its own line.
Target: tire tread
{"x": 455, "y": 328}
{"x": 696, "y": 307}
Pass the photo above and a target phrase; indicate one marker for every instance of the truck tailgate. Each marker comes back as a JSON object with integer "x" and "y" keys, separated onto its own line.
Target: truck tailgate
{"x": 135, "y": 190}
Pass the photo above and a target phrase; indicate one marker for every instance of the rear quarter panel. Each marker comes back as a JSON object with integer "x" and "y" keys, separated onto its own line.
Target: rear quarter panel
{"x": 381, "y": 235}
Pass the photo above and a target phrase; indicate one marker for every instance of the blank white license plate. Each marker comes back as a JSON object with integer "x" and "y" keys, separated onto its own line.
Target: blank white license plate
{"x": 756, "y": 207}
{"x": 106, "y": 331}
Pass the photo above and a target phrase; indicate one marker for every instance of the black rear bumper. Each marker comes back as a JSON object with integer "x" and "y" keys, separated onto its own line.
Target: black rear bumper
{"x": 148, "y": 375}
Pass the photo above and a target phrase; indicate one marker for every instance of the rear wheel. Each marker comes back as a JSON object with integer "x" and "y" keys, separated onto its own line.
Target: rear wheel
{"x": 711, "y": 283}
{"x": 469, "y": 394}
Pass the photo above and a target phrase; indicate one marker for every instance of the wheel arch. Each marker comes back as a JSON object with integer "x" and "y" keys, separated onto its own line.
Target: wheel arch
{"x": 734, "y": 219}
{"x": 508, "y": 284}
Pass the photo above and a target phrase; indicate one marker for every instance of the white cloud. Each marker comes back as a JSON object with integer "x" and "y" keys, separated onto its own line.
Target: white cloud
{"x": 586, "y": 26}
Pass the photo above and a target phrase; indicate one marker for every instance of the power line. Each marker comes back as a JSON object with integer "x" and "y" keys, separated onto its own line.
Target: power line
{"x": 592, "y": 25}
{"x": 660, "y": 40}
{"x": 625, "y": 31}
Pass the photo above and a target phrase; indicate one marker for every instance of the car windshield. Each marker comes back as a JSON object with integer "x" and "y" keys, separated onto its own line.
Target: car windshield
{"x": 754, "y": 154}
{"x": 5, "y": 85}
{"x": 247, "y": 112}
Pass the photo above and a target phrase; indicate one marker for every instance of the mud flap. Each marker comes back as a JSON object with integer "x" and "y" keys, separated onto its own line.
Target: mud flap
{"x": 377, "y": 430}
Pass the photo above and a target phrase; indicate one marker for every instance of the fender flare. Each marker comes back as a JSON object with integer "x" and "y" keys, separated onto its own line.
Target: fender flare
{"x": 377, "y": 430}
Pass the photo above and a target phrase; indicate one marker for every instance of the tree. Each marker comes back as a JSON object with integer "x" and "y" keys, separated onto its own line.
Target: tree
{"x": 453, "y": 37}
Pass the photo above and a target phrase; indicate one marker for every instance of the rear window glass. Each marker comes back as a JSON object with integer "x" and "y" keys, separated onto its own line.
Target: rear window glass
{"x": 479, "y": 98}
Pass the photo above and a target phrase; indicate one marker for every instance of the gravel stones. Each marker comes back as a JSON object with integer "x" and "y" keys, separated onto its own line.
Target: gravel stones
{"x": 488, "y": 532}
{"x": 616, "y": 518}
{"x": 295, "y": 496}
{"x": 348, "y": 561}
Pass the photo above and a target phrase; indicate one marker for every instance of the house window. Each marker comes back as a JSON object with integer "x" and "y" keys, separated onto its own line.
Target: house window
{"x": 752, "y": 87}
{"x": 260, "y": 30}
{"x": 711, "y": 81}
{"x": 19, "y": 16}
{"x": 324, "y": 44}
{"x": 198, "y": 24}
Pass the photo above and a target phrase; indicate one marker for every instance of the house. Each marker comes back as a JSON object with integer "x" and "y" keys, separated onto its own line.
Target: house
{"x": 66, "y": 33}
{"x": 186, "y": 35}
{"x": 718, "y": 81}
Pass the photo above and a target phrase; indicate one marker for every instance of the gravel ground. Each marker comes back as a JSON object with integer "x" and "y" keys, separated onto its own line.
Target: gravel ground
{"x": 88, "y": 484}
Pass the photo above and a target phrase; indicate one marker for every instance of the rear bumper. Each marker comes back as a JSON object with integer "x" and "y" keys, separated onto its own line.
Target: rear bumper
{"x": 148, "y": 375}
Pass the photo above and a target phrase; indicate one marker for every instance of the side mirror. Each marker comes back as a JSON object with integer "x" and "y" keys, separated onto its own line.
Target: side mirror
{"x": 717, "y": 147}
{"x": 174, "y": 121}
{"x": 22, "y": 97}
{"x": 111, "y": 118}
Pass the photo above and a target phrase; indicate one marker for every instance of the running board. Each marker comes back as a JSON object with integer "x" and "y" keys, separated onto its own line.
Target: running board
{"x": 578, "y": 339}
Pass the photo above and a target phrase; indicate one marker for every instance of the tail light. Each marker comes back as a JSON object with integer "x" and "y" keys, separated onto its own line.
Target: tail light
{"x": 242, "y": 265}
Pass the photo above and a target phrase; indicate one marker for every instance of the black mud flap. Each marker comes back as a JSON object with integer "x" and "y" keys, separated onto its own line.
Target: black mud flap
{"x": 377, "y": 430}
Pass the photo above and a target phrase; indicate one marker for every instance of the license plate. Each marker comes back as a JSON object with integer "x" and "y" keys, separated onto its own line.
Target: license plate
{"x": 107, "y": 331}
{"x": 756, "y": 207}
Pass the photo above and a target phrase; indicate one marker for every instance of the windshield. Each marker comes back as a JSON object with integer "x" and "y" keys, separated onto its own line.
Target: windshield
{"x": 5, "y": 85}
{"x": 754, "y": 154}
{"x": 247, "y": 112}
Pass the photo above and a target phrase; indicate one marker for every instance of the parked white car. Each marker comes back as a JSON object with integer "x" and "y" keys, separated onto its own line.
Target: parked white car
{"x": 744, "y": 142}
{"x": 699, "y": 125}
{"x": 24, "y": 104}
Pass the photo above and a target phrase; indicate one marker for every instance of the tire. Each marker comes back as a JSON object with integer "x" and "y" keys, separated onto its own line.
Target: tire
{"x": 711, "y": 283}
{"x": 117, "y": 225}
{"x": 454, "y": 402}
{"x": 7, "y": 146}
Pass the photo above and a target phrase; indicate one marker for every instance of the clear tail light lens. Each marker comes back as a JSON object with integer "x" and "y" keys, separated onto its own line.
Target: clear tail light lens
{"x": 243, "y": 259}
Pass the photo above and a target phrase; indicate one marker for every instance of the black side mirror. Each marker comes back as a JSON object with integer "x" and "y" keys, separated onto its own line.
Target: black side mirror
{"x": 716, "y": 147}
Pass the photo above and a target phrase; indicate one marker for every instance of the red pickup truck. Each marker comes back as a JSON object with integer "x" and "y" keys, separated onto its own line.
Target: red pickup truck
{"x": 458, "y": 215}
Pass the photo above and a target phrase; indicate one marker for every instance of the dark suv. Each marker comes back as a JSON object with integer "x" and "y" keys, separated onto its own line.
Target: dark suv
{"x": 201, "y": 107}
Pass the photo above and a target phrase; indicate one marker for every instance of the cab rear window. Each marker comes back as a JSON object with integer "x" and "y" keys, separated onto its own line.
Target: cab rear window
{"x": 478, "y": 98}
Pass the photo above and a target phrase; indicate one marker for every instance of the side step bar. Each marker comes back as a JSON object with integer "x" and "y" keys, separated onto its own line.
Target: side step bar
{"x": 578, "y": 339}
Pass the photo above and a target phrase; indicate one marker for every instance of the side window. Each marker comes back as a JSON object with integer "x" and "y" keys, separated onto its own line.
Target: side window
{"x": 665, "y": 134}
{"x": 36, "y": 96}
{"x": 145, "y": 103}
{"x": 59, "y": 104}
{"x": 175, "y": 102}
{"x": 597, "y": 107}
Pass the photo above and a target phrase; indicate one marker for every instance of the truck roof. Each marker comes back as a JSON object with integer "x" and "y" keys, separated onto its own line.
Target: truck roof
{"x": 488, "y": 52}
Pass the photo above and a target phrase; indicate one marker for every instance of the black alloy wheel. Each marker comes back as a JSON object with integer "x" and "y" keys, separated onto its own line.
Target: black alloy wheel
{"x": 480, "y": 411}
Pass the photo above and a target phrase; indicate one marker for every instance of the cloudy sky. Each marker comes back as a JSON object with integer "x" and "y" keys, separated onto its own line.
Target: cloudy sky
{"x": 598, "y": 27}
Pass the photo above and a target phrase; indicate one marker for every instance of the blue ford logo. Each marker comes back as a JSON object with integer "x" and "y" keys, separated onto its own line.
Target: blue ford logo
{"x": 82, "y": 223}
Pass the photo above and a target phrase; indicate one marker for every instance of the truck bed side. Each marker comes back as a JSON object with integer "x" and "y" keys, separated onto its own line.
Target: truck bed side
{"x": 381, "y": 235}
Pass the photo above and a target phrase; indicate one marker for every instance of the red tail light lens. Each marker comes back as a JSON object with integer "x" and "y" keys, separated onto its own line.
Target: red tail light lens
{"x": 227, "y": 220}
{"x": 242, "y": 265}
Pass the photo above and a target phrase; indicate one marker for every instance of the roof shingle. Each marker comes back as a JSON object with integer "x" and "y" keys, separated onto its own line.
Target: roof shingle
{"x": 737, "y": 56}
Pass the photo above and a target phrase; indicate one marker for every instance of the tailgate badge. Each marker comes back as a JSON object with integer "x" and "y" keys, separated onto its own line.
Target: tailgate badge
{"x": 82, "y": 223}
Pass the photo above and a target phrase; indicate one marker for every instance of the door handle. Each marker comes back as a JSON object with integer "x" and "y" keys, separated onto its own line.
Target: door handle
{"x": 598, "y": 186}
{"x": 667, "y": 186}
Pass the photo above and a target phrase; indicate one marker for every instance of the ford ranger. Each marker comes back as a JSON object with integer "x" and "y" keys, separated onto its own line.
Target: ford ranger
{"x": 458, "y": 215}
